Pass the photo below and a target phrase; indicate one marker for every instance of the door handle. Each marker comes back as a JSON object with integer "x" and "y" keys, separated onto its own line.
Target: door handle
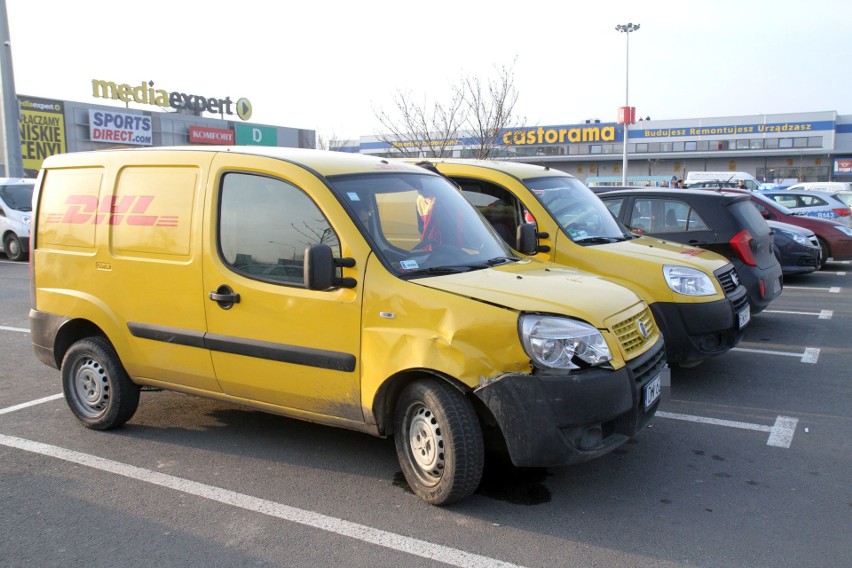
{"x": 225, "y": 297}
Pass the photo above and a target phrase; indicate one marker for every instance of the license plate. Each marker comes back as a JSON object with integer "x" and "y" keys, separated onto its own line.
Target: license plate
{"x": 652, "y": 392}
{"x": 744, "y": 316}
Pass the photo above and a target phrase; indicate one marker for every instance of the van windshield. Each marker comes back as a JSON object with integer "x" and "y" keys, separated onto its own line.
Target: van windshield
{"x": 18, "y": 196}
{"x": 420, "y": 224}
{"x": 577, "y": 210}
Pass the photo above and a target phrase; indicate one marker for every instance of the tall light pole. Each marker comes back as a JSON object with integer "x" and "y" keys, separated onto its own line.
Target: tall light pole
{"x": 626, "y": 29}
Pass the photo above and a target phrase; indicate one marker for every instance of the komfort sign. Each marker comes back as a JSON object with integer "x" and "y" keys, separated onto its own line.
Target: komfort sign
{"x": 145, "y": 94}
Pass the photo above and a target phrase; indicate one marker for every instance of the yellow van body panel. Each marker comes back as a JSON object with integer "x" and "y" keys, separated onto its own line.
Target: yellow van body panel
{"x": 128, "y": 257}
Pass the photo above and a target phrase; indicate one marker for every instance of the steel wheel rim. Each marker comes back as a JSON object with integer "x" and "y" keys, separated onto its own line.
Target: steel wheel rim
{"x": 14, "y": 247}
{"x": 90, "y": 388}
{"x": 425, "y": 444}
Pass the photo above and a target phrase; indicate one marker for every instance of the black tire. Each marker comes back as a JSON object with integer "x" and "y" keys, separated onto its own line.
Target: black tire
{"x": 825, "y": 252}
{"x": 438, "y": 442}
{"x": 96, "y": 386}
{"x": 13, "y": 248}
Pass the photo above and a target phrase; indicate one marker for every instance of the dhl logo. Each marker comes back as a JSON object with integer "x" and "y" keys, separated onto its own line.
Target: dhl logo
{"x": 127, "y": 209}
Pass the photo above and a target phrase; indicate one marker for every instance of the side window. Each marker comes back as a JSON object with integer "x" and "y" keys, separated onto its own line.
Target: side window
{"x": 665, "y": 216}
{"x": 812, "y": 201}
{"x": 499, "y": 207}
{"x": 265, "y": 224}
{"x": 614, "y": 206}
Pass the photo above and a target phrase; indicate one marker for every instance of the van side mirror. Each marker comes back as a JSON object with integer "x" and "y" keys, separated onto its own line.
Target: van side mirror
{"x": 527, "y": 240}
{"x": 320, "y": 269}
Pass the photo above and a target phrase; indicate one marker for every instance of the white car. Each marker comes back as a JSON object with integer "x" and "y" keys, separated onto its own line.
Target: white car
{"x": 16, "y": 205}
{"x": 822, "y": 186}
{"x": 822, "y": 204}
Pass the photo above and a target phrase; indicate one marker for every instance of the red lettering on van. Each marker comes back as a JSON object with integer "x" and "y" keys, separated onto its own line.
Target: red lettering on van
{"x": 114, "y": 210}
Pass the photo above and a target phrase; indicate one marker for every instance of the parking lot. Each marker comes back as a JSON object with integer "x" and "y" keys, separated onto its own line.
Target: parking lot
{"x": 747, "y": 463}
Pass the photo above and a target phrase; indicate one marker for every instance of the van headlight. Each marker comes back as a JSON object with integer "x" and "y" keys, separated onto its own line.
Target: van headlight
{"x": 688, "y": 281}
{"x": 562, "y": 343}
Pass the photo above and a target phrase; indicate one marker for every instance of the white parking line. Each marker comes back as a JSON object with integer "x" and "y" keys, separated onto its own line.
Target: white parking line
{"x": 831, "y": 290}
{"x": 21, "y": 329}
{"x": 393, "y": 541}
{"x": 823, "y": 314}
{"x": 811, "y": 354}
{"x": 30, "y": 403}
{"x": 780, "y": 434}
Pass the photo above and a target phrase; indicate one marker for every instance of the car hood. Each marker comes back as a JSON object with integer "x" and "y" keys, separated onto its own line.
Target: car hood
{"x": 667, "y": 252}
{"x": 534, "y": 286}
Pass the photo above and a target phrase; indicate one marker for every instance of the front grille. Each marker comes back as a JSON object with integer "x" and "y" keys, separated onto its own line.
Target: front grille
{"x": 629, "y": 331}
{"x": 740, "y": 304}
{"x": 649, "y": 366}
{"x": 728, "y": 280}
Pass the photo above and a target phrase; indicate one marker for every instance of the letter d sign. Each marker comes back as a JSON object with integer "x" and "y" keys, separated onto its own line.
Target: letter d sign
{"x": 256, "y": 136}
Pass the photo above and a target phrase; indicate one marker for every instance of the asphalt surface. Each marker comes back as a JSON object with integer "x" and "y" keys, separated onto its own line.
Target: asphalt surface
{"x": 747, "y": 464}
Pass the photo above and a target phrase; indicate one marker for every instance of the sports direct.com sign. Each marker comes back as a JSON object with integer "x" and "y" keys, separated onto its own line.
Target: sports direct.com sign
{"x": 120, "y": 128}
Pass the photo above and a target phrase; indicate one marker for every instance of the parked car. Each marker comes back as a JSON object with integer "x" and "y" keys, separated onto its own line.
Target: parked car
{"x": 822, "y": 186}
{"x": 694, "y": 295}
{"x": 822, "y": 204}
{"x": 723, "y": 223}
{"x": 16, "y": 199}
{"x": 796, "y": 248}
{"x": 835, "y": 239}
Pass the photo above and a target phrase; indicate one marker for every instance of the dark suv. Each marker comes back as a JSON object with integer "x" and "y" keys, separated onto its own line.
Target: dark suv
{"x": 724, "y": 223}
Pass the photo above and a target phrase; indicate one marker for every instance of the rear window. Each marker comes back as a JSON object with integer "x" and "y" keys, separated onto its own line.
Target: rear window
{"x": 750, "y": 218}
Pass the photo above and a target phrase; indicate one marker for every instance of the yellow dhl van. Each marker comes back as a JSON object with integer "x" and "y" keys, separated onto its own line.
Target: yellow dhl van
{"x": 340, "y": 289}
{"x": 695, "y": 294}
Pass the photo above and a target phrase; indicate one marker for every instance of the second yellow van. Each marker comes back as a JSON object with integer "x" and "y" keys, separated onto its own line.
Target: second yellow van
{"x": 695, "y": 294}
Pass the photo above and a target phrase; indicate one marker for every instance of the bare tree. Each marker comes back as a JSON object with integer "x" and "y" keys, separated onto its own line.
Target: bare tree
{"x": 422, "y": 130}
{"x": 490, "y": 110}
{"x": 473, "y": 119}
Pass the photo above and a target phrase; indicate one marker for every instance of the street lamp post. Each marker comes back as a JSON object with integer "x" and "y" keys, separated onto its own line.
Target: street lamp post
{"x": 626, "y": 29}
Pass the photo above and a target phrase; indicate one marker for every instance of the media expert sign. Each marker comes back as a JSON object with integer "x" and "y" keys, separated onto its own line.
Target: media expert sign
{"x": 42, "y": 128}
{"x": 120, "y": 128}
{"x": 145, "y": 93}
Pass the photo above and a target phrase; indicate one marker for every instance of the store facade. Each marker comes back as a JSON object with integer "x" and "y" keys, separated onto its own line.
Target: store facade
{"x": 811, "y": 146}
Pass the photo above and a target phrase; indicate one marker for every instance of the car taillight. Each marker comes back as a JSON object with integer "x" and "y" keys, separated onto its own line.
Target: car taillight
{"x": 842, "y": 211}
{"x": 740, "y": 243}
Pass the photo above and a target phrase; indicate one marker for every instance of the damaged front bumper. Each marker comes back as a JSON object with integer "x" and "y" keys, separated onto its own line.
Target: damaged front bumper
{"x": 551, "y": 419}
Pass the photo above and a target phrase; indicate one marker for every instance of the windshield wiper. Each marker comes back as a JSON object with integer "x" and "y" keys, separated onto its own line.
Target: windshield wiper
{"x": 599, "y": 239}
{"x": 438, "y": 270}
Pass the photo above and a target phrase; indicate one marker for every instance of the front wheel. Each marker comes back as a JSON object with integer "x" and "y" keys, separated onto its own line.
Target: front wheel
{"x": 96, "y": 386}
{"x": 823, "y": 257}
{"x": 13, "y": 247}
{"x": 438, "y": 442}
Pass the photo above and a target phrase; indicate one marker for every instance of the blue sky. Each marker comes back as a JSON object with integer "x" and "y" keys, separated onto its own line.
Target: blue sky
{"x": 328, "y": 65}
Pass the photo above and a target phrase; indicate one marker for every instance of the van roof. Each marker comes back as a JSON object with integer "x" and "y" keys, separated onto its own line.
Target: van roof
{"x": 518, "y": 169}
{"x": 324, "y": 162}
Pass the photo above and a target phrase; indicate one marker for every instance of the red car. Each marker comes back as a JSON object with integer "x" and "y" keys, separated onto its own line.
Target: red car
{"x": 835, "y": 239}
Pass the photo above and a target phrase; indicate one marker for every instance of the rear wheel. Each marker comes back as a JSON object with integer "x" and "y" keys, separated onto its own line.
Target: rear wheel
{"x": 13, "y": 247}
{"x": 96, "y": 386}
{"x": 438, "y": 442}
{"x": 825, "y": 252}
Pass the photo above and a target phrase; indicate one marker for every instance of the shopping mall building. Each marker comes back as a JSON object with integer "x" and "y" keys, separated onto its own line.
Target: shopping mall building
{"x": 132, "y": 115}
{"x": 808, "y": 146}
